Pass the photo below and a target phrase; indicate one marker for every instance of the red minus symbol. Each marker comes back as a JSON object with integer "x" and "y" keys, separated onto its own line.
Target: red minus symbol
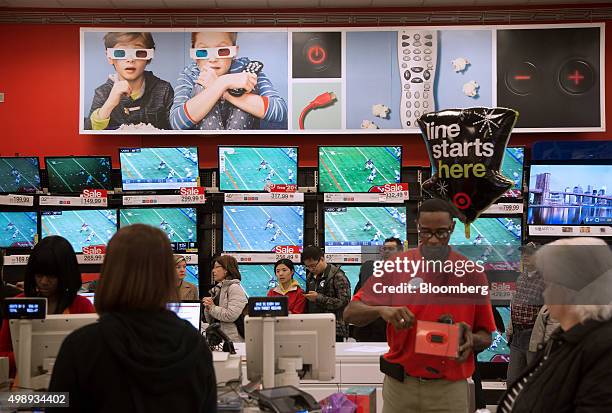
{"x": 522, "y": 77}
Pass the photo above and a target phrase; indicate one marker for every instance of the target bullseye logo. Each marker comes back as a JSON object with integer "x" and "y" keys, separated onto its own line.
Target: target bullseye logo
{"x": 316, "y": 54}
{"x": 462, "y": 200}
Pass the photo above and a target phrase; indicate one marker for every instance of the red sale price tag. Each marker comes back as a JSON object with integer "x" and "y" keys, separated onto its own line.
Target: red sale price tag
{"x": 287, "y": 249}
{"x": 281, "y": 188}
{"x": 94, "y": 193}
{"x": 94, "y": 250}
{"x": 196, "y": 190}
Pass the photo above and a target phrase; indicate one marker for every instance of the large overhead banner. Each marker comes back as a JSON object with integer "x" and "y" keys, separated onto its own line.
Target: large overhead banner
{"x": 337, "y": 80}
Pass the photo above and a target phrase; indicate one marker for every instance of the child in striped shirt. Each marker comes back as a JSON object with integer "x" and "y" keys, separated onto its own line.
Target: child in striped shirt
{"x": 202, "y": 100}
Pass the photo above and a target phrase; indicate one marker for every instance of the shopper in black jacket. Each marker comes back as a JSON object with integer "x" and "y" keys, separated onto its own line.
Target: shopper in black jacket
{"x": 139, "y": 357}
{"x": 572, "y": 371}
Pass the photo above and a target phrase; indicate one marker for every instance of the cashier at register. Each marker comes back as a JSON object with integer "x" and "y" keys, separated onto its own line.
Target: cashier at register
{"x": 424, "y": 383}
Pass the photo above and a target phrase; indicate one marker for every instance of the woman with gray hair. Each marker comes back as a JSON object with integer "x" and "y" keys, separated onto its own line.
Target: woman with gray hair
{"x": 573, "y": 371}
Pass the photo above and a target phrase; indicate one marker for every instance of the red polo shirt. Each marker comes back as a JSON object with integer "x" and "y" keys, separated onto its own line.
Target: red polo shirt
{"x": 401, "y": 342}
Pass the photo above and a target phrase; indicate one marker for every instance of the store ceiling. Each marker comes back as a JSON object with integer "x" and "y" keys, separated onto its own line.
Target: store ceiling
{"x": 278, "y": 4}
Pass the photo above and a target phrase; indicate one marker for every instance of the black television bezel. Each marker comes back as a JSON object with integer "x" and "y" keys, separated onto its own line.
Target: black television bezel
{"x": 159, "y": 191}
{"x": 349, "y": 146}
{"x": 110, "y": 172}
{"x": 297, "y": 151}
{"x": 36, "y": 190}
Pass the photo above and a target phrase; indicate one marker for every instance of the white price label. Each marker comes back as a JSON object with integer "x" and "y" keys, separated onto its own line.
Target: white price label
{"x": 292, "y": 257}
{"x": 94, "y": 201}
{"x": 93, "y": 258}
{"x": 265, "y": 197}
{"x": 16, "y": 259}
{"x": 192, "y": 199}
{"x": 398, "y": 196}
{"x": 279, "y": 196}
{"x": 20, "y": 200}
{"x": 505, "y": 208}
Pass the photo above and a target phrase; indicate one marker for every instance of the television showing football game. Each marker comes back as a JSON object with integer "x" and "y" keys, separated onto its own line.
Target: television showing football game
{"x": 180, "y": 224}
{"x": 261, "y": 228}
{"x": 82, "y": 228}
{"x": 499, "y": 350}
{"x": 158, "y": 168}
{"x": 350, "y": 228}
{"x": 18, "y": 229}
{"x": 258, "y": 279}
{"x": 570, "y": 195}
{"x": 72, "y": 174}
{"x": 494, "y": 241}
{"x": 244, "y": 168}
{"x": 358, "y": 168}
{"x": 19, "y": 175}
{"x": 192, "y": 275}
{"x": 512, "y": 167}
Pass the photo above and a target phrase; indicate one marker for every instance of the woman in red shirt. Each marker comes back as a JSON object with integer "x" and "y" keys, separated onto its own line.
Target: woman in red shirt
{"x": 287, "y": 286}
{"x": 52, "y": 272}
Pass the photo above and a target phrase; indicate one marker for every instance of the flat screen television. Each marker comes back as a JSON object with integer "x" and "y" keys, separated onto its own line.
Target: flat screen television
{"x": 512, "y": 167}
{"x": 82, "y": 228}
{"x": 73, "y": 174}
{"x": 180, "y": 224}
{"x": 350, "y": 228}
{"x": 19, "y": 174}
{"x": 499, "y": 350}
{"x": 258, "y": 279}
{"x": 261, "y": 228}
{"x": 18, "y": 229}
{"x": 158, "y": 168}
{"x": 358, "y": 168}
{"x": 570, "y": 194}
{"x": 251, "y": 168}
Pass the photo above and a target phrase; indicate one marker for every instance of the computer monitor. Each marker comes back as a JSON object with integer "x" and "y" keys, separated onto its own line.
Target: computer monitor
{"x": 570, "y": 194}
{"x": 82, "y": 228}
{"x": 349, "y": 229}
{"x": 251, "y": 168}
{"x": 158, "y": 168}
{"x": 36, "y": 341}
{"x": 310, "y": 338}
{"x": 73, "y": 174}
{"x": 358, "y": 168}
{"x": 261, "y": 228}
{"x": 18, "y": 229}
{"x": 180, "y": 224}
{"x": 188, "y": 310}
{"x": 19, "y": 174}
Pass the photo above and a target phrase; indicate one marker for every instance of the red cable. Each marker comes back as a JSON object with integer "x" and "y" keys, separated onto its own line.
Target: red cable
{"x": 323, "y": 100}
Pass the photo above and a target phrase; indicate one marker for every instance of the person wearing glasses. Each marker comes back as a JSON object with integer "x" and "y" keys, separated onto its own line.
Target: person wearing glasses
{"x": 206, "y": 97}
{"x": 328, "y": 290}
{"x": 131, "y": 95}
{"x": 376, "y": 331}
{"x": 416, "y": 382}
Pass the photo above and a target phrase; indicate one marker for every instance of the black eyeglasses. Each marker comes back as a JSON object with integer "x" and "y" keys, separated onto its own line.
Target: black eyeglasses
{"x": 312, "y": 266}
{"x": 441, "y": 234}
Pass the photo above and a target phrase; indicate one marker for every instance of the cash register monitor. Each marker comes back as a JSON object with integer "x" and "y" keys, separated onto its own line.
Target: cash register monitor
{"x": 311, "y": 337}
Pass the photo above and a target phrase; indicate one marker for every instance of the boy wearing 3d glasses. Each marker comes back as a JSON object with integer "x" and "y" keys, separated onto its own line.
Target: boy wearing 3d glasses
{"x": 131, "y": 95}
{"x": 217, "y": 91}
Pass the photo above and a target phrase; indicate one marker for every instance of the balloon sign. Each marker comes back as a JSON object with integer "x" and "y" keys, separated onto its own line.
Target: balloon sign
{"x": 466, "y": 148}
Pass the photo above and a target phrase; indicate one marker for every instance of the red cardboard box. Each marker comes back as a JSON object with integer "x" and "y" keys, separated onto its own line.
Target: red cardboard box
{"x": 363, "y": 397}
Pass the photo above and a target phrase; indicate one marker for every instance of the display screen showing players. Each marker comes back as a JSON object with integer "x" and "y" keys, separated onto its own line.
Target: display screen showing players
{"x": 358, "y": 168}
{"x": 262, "y": 228}
{"x": 253, "y": 168}
{"x": 512, "y": 167}
{"x": 258, "y": 279}
{"x": 570, "y": 195}
{"x": 73, "y": 174}
{"x": 349, "y": 229}
{"x": 19, "y": 175}
{"x": 180, "y": 224}
{"x": 499, "y": 350}
{"x": 158, "y": 168}
{"x": 18, "y": 229}
{"x": 494, "y": 241}
{"x": 192, "y": 275}
{"x": 82, "y": 228}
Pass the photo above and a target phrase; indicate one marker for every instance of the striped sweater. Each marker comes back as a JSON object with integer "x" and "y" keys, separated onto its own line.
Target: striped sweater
{"x": 276, "y": 108}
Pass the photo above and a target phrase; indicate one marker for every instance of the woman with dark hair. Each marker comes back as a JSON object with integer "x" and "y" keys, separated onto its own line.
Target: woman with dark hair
{"x": 227, "y": 298}
{"x": 143, "y": 357}
{"x": 52, "y": 272}
{"x": 287, "y": 286}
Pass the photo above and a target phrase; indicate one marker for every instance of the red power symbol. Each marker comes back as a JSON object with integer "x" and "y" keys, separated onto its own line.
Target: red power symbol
{"x": 316, "y": 54}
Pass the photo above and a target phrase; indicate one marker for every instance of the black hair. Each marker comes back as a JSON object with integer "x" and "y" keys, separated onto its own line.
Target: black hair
{"x": 54, "y": 256}
{"x": 437, "y": 205}
{"x": 312, "y": 253}
{"x": 285, "y": 261}
{"x": 396, "y": 241}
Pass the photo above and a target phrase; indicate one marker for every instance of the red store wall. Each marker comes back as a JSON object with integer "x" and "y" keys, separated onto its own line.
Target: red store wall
{"x": 39, "y": 74}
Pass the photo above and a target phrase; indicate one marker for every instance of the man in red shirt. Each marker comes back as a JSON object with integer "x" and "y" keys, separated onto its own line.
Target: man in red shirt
{"x": 418, "y": 382}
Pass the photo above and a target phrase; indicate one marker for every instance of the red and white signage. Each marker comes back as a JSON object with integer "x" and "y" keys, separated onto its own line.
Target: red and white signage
{"x": 281, "y": 188}
{"x": 94, "y": 249}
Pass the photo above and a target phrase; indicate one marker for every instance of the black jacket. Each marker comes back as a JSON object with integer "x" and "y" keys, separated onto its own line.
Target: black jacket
{"x": 334, "y": 294}
{"x": 137, "y": 362}
{"x": 376, "y": 331}
{"x": 576, "y": 377}
{"x": 152, "y": 107}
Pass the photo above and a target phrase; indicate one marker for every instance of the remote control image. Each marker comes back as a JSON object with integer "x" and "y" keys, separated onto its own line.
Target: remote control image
{"x": 417, "y": 52}
{"x": 252, "y": 67}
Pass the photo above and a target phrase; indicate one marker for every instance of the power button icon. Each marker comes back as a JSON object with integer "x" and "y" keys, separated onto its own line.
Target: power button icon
{"x": 316, "y": 54}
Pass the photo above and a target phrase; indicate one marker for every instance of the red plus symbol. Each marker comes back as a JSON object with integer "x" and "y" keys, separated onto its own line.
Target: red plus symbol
{"x": 316, "y": 54}
{"x": 576, "y": 77}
